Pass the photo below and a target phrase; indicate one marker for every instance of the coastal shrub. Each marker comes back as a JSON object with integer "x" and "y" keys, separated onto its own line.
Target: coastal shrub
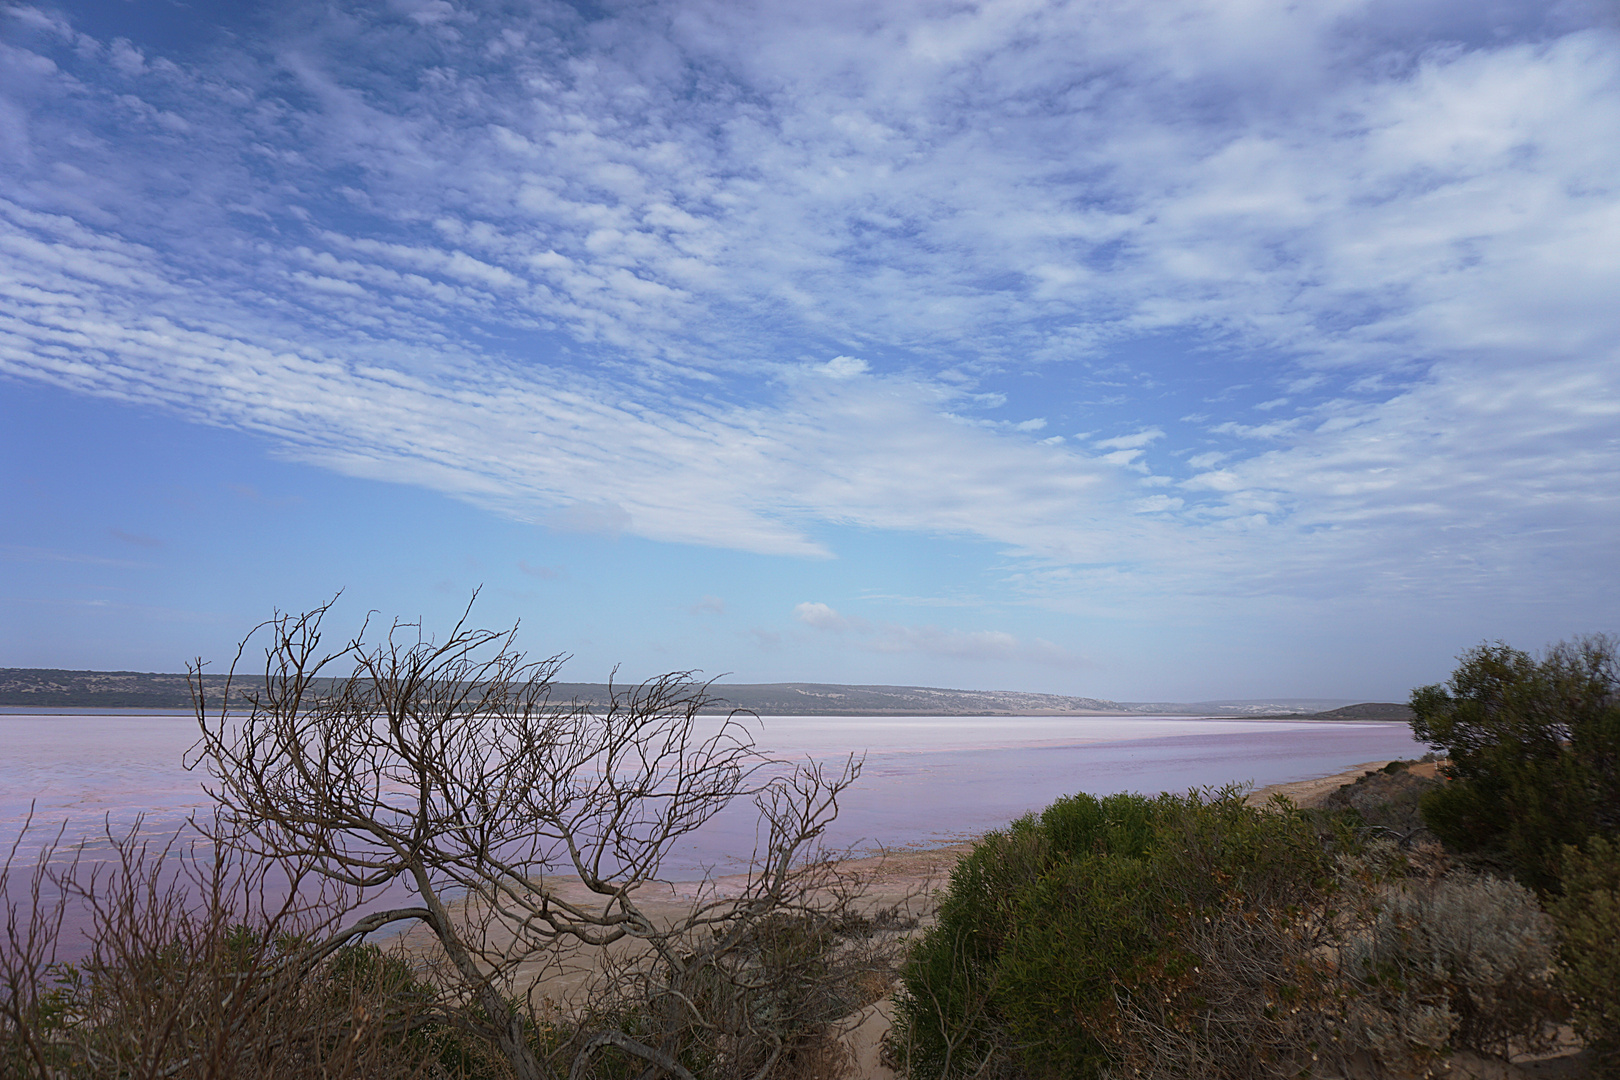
{"x": 1055, "y": 934}
{"x": 1588, "y": 918}
{"x": 1534, "y": 747}
{"x": 1457, "y": 962}
{"x": 1199, "y": 938}
{"x": 1257, "y": 1002}
{"x": 1383, "y": 804}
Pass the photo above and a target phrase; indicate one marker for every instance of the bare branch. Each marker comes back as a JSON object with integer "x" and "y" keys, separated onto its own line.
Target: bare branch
{"x": 527, "y": 826}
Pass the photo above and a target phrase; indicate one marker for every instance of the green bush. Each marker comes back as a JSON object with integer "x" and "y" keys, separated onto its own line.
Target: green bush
{"x": 1199, "y": 937}
{"x": 1052, "y": 930}
{"x": 1535, "y": 754}
{"x": 1588, "y": 918}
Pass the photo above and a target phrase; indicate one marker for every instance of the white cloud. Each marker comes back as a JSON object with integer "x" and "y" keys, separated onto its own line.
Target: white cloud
{"x": 542, "y": 444}
{"x": 1130, "y": 442}
{"x": 708, "y": 605}
{"x": 550, "y": 278}
{"x": 126, "y": 58}
{"x": 843, "y": 367}
{"x": 23, "y": 553}
{"x": 822, "y": 617}
{"x": 979, "y": 646}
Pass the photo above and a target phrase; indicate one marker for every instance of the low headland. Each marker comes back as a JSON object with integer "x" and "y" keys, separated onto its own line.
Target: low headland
{"x": 49, "y": 689}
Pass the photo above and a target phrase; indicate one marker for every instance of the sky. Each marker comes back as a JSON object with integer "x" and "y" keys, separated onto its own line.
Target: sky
{"x": 1180, "y": 350}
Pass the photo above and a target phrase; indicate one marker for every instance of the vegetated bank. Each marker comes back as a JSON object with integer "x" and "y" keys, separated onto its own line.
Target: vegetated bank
{"x": 1405, "y": 925}
{"x": 1165, "y": 936}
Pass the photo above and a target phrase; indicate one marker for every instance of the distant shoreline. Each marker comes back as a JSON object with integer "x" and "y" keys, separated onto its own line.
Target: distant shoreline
{"x": 1316, "y": 718}
{"x": 57, "y": 690}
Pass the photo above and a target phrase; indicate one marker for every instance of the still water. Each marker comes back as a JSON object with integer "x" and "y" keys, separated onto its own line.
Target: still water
{"x": 925, "y": 780}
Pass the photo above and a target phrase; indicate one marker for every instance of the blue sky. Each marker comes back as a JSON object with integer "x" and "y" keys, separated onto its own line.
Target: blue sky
{"x": 1185, "y": 349}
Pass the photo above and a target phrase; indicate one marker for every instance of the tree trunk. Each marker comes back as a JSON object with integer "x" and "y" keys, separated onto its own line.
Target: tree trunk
{"x": 509, "y": 1026}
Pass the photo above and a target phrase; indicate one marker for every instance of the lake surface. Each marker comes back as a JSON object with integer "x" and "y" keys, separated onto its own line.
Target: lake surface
{"x": 926, "y": 780}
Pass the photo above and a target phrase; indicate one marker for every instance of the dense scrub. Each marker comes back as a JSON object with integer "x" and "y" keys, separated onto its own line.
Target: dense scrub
{"x": 1588, "y": 916}
{"x": 1384, "y": 803}
{"x": 1197, "y": 936}
{"x": 1534, "y": 749}
{"x": 1534, "y": 791}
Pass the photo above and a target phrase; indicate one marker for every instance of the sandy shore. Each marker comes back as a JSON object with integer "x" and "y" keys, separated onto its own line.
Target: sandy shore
{"x": 1311, "y": 792}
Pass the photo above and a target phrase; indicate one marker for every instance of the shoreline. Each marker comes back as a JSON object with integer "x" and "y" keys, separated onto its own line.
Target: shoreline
{"x": 839, "y": 714}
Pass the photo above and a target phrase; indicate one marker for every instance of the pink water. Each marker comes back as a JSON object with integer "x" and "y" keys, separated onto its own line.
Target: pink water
{"x": 926, "y": 779}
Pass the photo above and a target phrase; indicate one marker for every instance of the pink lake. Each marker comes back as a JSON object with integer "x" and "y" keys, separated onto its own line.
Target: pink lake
{"x": 926, "y": 779}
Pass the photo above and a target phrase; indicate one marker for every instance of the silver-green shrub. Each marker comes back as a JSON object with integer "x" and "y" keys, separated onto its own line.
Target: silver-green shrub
{"x": 1462, "y": 962}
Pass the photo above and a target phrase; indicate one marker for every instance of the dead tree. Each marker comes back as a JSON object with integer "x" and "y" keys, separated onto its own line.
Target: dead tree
{"x": 446, "y": 766}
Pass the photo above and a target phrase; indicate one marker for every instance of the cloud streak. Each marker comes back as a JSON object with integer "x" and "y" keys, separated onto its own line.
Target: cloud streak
{"x": 738, "y": 275}
{"x": 980, "y": 646}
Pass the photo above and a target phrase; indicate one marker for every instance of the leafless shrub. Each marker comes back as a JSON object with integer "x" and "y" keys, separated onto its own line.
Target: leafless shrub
{"x": 1261, "y": 1002}
{"x": 751, "y": 980}
{"x": 192, "y": 964}
{"x": 528, "y": 830}
{"x": 33, "y": 927}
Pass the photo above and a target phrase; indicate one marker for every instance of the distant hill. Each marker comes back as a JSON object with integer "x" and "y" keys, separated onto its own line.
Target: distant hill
{"x": 1370, "y": 710}
{"x": 1256, "y": 707}
{"x": 52, "y": 688}
{"x": 831, "y": 699}
{"x": 56, "y": 688}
